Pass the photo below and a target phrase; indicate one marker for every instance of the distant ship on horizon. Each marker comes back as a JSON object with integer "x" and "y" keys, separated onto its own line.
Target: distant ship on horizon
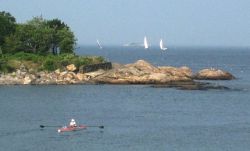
{"x": 133, "y": 44}
{"x": 136, "y": 44}
{"x": 145, "y": 44}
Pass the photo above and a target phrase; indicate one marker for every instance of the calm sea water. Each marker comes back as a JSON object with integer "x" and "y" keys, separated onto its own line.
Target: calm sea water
{"x": 136, "y": 117}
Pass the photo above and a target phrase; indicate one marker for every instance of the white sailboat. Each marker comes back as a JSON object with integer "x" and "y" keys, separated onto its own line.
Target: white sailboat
{"x": 145, "y": 43}
{"x": 162, "y": 46}
{"x": 98, "y": 43}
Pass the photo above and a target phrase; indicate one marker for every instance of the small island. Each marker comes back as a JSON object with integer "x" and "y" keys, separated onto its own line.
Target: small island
{"x": 36, "y": 47}
{"x": 140, "y": 72}
{"x": 42, "y": 52}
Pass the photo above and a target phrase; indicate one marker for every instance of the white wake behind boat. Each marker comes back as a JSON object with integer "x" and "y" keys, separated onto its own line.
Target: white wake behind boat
{"x": 162, "y": 46}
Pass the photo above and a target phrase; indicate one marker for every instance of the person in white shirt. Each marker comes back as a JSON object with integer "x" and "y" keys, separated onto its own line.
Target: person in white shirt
{"x": 72, "y": 123}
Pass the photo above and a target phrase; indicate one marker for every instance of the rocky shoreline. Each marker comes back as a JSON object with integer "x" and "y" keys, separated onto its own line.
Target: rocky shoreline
{"x": 140, "y": 72}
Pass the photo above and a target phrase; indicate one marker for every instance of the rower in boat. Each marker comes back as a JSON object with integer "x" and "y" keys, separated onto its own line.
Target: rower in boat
{"x": 72, "y": 123}
{"x": 72, "y": 127}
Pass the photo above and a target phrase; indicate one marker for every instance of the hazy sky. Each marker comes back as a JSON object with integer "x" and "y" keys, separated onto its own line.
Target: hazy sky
{"x": 178, "y": 22}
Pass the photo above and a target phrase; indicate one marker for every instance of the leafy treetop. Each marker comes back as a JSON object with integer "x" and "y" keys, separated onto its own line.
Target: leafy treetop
{"x": 7, "y": 25}
{"x": 38, "y": 36}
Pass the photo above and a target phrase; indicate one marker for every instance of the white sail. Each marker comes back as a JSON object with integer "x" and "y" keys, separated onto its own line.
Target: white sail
{"x": 98, "y": 43}
{"x": 162, "y": 46}
{"x": 145, "y": 43}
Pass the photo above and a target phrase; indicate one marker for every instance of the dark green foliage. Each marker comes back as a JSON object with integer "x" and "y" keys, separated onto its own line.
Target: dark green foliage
{"x": 11, "y": 62}
{"x": 56, "y": 24}
{"x": 26, "y": 56}
{"x": 50, "y": 64}
{"x": 65, "y": 42}
{"x": 5, "y": 66}
{"x": 29, "y": 38}
{"x": 40, "y": 36}
{"x": 7, "y": 25}
{"x": 38, "y": 44}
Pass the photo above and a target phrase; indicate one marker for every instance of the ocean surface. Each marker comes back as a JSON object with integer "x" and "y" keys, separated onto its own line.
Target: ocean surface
{"x": 135, "y": 117}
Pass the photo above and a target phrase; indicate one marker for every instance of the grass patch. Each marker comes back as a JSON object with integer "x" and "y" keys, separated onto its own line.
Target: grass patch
{"x": 35, "y": 62}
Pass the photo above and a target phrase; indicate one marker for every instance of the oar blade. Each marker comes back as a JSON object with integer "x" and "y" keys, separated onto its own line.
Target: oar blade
{"x": 101, "y": 126}
{"x": 42, "y": 126}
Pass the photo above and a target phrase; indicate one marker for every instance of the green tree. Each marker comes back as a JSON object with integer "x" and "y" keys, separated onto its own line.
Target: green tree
{"x": 7, "y": 25}
{"x": 29, "y": 38}
{"x": 12, "y": 44}
{"x": 63, "y": 38}
{"x": 66, "y": 40}
{"x": 41, "y": 36}
{"x": 37, "y": 22}
{"x": 56, "y": 24}
{"x": 1, "y": 51}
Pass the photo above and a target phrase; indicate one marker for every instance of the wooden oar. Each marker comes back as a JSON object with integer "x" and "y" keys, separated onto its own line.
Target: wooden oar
{"x": 95, "y": 126}
{"x": 43, "y": 126}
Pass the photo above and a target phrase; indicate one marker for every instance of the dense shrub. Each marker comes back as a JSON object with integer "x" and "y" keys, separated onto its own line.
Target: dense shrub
{"x": 5, "y": 66}
{"x": 50, "y": 65}
{"x": 11, "y": 62}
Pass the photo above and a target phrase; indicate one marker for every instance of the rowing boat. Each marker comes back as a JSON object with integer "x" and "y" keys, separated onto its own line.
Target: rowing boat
{"x": 70, "y": 128}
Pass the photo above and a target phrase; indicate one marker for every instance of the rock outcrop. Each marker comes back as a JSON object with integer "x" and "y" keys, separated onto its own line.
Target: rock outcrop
{"x": 140, "y": 72}
{"x": 213, "y": 74}
{"x": 71, "y": 67}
